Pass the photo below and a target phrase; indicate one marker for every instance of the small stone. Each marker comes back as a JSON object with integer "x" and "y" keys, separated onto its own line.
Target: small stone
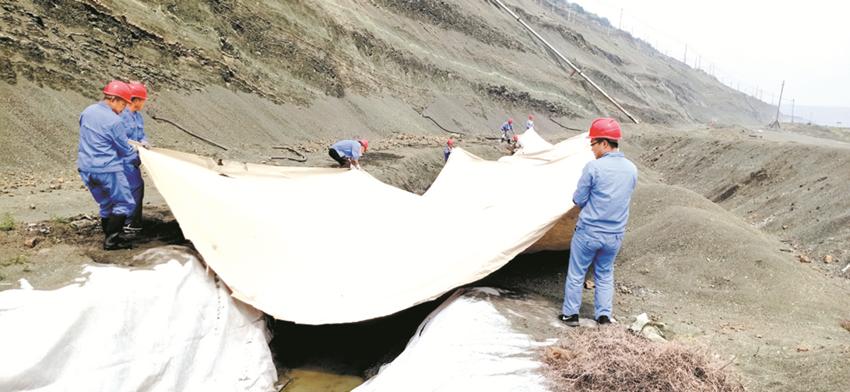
{"x": 784, "y": 227}
{"x": 802, "y": 348}
{"x": 32, "y": 206}
{"x": 804, "y": 259}
{"x": 758, "y": 336}
{"x": 588, "y": 284}
{"x": 828, "y": 259}
{"x": 32, "y": 242}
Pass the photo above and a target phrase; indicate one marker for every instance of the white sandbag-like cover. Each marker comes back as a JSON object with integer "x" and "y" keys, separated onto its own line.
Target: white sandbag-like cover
{"x": 319, "y": 246}
{"x": 168, "y": 328}
{"x": 480, "y": 339}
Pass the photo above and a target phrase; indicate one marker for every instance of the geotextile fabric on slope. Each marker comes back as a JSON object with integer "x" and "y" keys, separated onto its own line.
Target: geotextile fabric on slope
{"x": 171, "y": 327}
{"x": 320, "y": 246}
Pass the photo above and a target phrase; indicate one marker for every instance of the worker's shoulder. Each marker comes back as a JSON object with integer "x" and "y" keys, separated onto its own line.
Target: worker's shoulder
{"x": 99, "y": 113}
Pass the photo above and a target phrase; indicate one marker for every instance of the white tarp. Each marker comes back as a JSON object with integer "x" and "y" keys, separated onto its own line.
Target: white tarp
{"x": 530, "y": 142}
{"x": 168, "y": 328}
{"x": 478, "y": 340}
{"x": 318, "y": 245}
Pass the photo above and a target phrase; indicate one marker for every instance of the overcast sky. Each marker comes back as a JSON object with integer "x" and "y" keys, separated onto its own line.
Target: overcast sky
{"x": 755, "y": 43}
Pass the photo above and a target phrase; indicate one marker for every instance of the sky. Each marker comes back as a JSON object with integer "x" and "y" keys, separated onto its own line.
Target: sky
{"x": 754, "y": 44}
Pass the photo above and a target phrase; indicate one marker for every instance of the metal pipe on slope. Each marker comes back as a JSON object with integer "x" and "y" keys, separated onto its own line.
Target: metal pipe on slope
{"x": 576, "y": 69}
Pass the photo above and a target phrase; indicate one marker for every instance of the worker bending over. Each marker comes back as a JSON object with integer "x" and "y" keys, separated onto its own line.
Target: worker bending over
{"x": 348, "y": 152}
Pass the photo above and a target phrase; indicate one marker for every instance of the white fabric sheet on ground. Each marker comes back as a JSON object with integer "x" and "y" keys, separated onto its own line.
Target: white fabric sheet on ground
{"x": 478, "y": 340}
{"x": 319, "y": 246}
{"x": 169, "y": 328}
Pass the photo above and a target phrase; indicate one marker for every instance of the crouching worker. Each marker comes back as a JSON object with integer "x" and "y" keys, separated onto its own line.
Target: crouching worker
{"x": 603, "y": 193}
{"x": 348, "y": 152}
{"x": 133, "y": 125}
{"x": 100, "y": 161}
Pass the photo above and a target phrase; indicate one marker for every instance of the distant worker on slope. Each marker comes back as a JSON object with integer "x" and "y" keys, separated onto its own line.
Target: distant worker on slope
{"x": 450, "y": 144}
{"x": 603, "y": 193}
{"x": 515, "y": 145}
{"x": 507, "y": 130}
{"x": 100, "y": 161}
{"x": 133, "y": 125}
{"x": 348, "y": 152}
{"x": 530, "y": 123}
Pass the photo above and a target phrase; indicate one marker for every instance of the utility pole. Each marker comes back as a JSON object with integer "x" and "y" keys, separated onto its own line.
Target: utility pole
{"x": 685, "y": 58}
{"x": 775, "y": 123}
{"x": 621, "y": 20}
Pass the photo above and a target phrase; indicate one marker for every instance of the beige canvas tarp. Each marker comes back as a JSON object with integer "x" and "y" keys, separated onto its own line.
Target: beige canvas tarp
{"x": 318, "y": 245}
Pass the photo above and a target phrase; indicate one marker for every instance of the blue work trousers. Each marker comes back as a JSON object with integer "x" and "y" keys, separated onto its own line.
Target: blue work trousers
{"x": 137, "y": 189}
{"x": 111, "y": 191}
{"x": 599, "y": 249}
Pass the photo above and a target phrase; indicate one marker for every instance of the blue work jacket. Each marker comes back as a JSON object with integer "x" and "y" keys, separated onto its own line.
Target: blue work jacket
{"x": 604, "y": 192}
{"x": 102, "y": 145}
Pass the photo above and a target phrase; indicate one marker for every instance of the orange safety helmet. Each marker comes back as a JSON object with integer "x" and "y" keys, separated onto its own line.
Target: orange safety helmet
{"x": 138, "y": 90}
{"x": 605, "y": 128}
{"x": 364, "y": 143}
{"x": 117, "y": 88}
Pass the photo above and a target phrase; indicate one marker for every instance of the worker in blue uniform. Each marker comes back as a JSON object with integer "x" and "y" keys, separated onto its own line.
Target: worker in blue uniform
{"x": 447, "y": 151}
{"x": 100, "y": 161}
{"x": 133, "y": 125}
{"x": 348, "y": 152}
{"x": 507, "y": 129}
{"x": 603, "y": 193}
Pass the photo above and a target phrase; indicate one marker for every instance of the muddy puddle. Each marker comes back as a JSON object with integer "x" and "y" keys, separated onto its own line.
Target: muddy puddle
{"x": 339, "y": 357}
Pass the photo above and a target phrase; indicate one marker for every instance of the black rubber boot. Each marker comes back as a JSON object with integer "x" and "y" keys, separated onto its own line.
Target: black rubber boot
{"x": 103, "y": 223}
{"x": 136, "y": 217}
{"x": 114, "y": 229}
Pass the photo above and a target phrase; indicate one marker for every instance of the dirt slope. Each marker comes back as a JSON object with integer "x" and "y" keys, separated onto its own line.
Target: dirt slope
{"x": 792, "y": 187}
{"x": 248, "y": 74}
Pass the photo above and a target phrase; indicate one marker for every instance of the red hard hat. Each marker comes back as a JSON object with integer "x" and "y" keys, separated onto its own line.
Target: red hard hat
{"x": 510, "y": 121}
{"x": 450, "y": 143}
{"x": 530, "y": 117}
{"x": 138, "y": 90}
{"x": 364, "y": 143}
{"x": 605, "y": 128}
{"x": 117, "y": 88}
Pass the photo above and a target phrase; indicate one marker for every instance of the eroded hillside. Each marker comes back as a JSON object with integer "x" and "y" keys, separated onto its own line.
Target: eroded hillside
{"x": 378, "y": 64}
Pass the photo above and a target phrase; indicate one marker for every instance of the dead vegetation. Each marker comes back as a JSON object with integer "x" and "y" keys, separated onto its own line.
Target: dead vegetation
{"x": 612, "y": 359}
